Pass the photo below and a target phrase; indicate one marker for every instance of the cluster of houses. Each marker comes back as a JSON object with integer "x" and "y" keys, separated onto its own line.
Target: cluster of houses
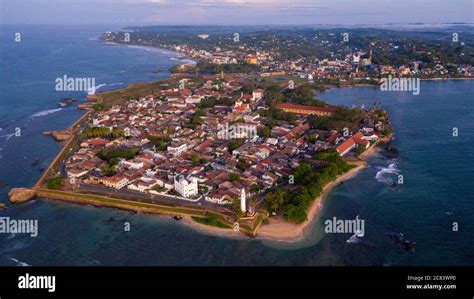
{"x": 204, "y": 161}
{"x": 357, "y": 65}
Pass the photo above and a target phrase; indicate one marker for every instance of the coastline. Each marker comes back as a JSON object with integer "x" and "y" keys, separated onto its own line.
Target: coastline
{"x": 179, "y": 56}
{"x": 277, "y": 230}
{"x": 212, "y": 230}
{"x": 357, "y": 85}
{"x": 88, "y": 112}
{"x": 283, "y": 231}
{"x": 280, "y": 230}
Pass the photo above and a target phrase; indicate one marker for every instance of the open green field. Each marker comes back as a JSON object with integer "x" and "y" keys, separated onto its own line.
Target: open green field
{"x": 90, "y": 198}
{"x": 132, "y": 91}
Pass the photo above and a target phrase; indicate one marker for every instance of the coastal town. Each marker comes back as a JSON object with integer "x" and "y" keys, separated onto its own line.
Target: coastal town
{"x": 338, "y": 57}
{"x": 270, "y": 148}
{"x": 215, "y": 142}
{"x": 237, "y": 139}
{"x": 169, "y": 143}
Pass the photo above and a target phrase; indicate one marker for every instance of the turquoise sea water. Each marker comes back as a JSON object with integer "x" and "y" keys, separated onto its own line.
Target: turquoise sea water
{"x": 437, "y": 170}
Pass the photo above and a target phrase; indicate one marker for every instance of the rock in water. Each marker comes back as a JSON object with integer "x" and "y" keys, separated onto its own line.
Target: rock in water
{"x": 21, "y": 194}
{"x": 61, "y": 135}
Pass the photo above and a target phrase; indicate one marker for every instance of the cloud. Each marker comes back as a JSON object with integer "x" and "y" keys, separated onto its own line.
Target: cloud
{"x": 233, "y": 12}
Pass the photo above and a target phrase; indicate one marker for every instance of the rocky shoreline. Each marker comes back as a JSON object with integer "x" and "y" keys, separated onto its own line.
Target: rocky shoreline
{"x": 60, "y": 135}
{"x": 19, "y": 195}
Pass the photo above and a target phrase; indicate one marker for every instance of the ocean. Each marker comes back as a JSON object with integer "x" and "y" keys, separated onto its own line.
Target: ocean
{"x": 437, "y": 171}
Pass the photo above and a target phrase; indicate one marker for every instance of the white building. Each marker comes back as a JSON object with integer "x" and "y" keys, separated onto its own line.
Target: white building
{"x": 76, "y": 173}
{"x": 143, "y": 185}
{"x": 133, "y": 164}
{"x": 117, "y": 181}
{"x": 187, "y": 188}
{"x": 257, "y": 94}
{"x": 243, "y": 201}
{"x": 176, "y": 148}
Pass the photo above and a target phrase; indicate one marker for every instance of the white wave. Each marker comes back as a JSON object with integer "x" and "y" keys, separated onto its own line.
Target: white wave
{"x": 354, "y": 239}
{"x": 391, "y": 169}
{"x": 114, "y": 84}
{"x": 148, "y": 49}
{"x": 46, "y": 112}
{"x": 20, "y": 263}
{"x": 94, "y": 262}
{"x": 94, "y": 89}
{"x": 188, "y": 61}
{"x": 8, "y": 136}
{"x": 152, "y": 49}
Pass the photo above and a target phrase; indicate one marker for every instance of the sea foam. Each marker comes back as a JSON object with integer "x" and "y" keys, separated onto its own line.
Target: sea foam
{"x": 20, "y": 263}
{"x": 46, "y": 112}
{"x": 353, "y": 239}
{"x": 391, "y": 169}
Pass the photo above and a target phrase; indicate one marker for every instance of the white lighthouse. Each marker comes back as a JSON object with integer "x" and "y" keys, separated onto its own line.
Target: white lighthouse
{"x": 243, "y": 202}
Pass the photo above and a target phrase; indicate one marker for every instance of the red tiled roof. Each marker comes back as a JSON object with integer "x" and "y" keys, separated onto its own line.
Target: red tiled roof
{"x": 358, "y": 138}
{"x": 240, "y": 108}
{"x": 97, "y": 141}
{"x": 358, "y": 135}
{"x": 185, "y": 91}
{"x": 345, "y": 145}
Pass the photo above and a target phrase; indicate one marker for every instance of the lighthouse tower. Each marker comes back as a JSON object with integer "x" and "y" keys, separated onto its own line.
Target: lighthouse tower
{"x": 243, "y": 202}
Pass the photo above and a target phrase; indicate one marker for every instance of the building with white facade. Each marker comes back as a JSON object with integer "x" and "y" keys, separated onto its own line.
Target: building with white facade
{"x": 243, "y": 201}
{"x": 117, "y": 181}
{"x": 176, "y": 148}
{"x": 186, "y": 187}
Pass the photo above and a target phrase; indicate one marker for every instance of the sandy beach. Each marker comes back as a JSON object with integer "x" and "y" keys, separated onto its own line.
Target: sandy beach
{"x": 281, "y": 230}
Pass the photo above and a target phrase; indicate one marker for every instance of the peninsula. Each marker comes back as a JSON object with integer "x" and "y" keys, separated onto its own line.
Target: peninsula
{"x": 236, "y": 143}
{"x": 217, "y": 150}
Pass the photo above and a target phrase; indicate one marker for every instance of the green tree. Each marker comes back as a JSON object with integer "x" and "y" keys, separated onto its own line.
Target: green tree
{"x": 55, "y": 183}
{"x": 98, "y": 106}
{"x": 276, "y": 201}
{"x": 235, "y": 144}
{"x": 196, "y": 160}
{"x": 234, "y": 177}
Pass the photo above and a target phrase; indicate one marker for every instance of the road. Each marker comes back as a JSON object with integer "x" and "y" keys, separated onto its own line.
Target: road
{"x": 159, "y": 199}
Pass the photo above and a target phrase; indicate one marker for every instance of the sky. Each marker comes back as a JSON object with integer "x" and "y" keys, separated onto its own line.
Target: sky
{"x": 235, "y": 12}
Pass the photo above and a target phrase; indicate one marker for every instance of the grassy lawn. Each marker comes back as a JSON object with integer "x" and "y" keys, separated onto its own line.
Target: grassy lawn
{"x": 212, "y": 221}
{"x": 111, "y": 201}
{"x": 133, "y": 90}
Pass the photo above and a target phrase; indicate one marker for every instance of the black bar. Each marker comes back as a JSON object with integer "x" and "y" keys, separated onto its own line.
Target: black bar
{"x": 289, "y": 282}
